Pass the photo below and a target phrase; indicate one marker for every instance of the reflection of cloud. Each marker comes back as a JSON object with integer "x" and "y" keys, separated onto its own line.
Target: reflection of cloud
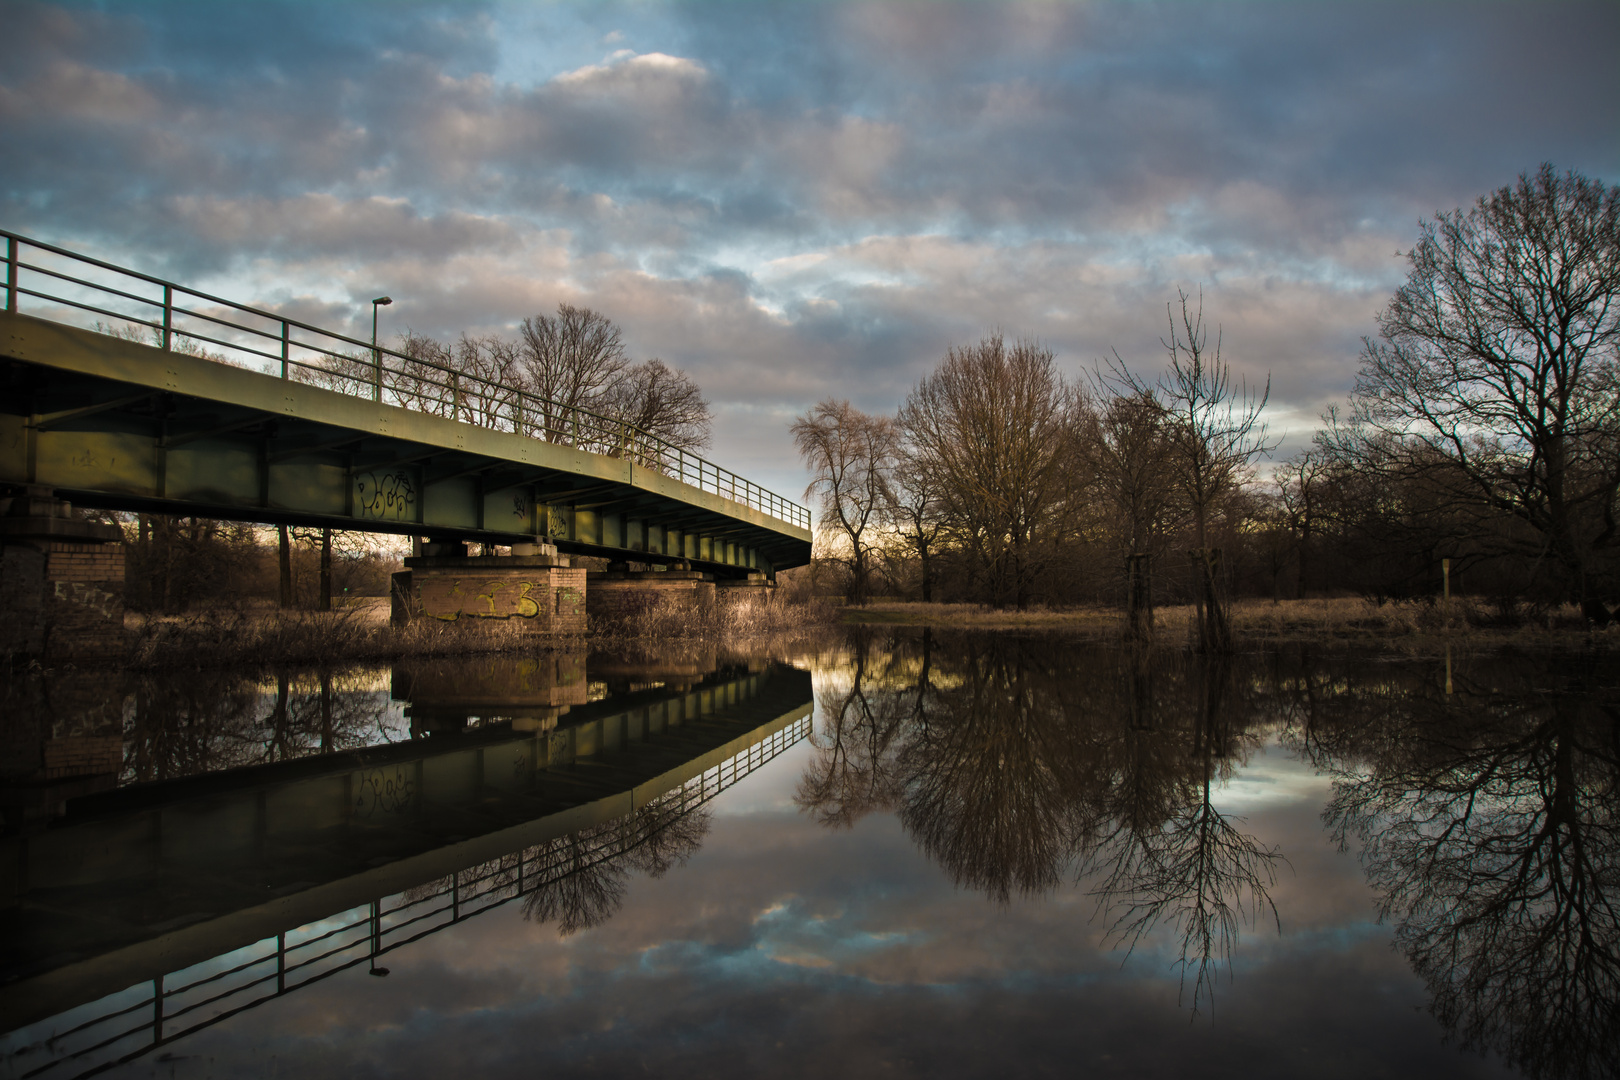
{"x": 903, "y": 974}
{"x": 1272, "y": 778}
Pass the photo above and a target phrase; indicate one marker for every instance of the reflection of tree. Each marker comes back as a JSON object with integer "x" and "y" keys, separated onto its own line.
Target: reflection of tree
{"x": 207, "y": 722}
{"x": 853, "y": 773}
{"x": 987, "y": 791}
{"x": 1488, "y": 825}
{"x": 578, "y": 881}
{"x": 1015, "y": 767}
{"x": 1194, "y": 870}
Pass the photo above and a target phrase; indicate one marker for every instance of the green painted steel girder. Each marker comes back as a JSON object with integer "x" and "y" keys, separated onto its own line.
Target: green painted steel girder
{"x": 119, "y": 425}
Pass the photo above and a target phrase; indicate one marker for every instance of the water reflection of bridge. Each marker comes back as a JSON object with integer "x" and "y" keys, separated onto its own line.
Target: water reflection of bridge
{"x": 159, "y": 909}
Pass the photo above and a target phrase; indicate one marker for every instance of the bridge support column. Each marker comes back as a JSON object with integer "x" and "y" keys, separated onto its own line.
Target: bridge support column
{"x": 535, "y": 591}
{"x": 756, "y": 588}
{"x": 621, "y": 594}
{"x": 61, "y": 580}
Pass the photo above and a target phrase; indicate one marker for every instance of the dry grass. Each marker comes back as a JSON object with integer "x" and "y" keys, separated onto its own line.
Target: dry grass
{"x": 1338, "y": 619}
{"x": 361, "y": 631}
{"x": 983, "y": 617}
{"x": 236, "y": 636}
{"x": 725, "y": 623}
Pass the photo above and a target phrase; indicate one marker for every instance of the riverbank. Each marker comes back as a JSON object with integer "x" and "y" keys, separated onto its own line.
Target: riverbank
{"x": 1346, "y": 620}
{"x": 361, "y": 630}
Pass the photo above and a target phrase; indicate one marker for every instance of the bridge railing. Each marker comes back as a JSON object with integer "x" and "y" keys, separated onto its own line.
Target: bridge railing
{"x": 69, "y": 287}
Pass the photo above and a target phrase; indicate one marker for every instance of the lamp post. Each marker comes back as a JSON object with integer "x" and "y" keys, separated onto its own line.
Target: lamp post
{"x": 376, "y": 357}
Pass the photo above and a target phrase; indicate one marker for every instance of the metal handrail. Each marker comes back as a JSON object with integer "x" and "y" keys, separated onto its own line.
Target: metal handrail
{"x": 355, "y": 367}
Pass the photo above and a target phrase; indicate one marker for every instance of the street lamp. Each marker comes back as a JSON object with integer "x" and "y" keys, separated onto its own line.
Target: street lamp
{"x": 376, "y": 357}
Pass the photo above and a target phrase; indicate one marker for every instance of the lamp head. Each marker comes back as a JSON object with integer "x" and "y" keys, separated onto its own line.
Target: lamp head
{"x": 383, "y": 301}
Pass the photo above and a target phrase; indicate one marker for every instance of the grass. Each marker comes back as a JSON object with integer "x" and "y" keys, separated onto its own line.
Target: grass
{"x": 725, "y": 623}
{"x": 1336, "y": 619}
{"x": 361, "y": 630}
{"x": 221, "y": 636}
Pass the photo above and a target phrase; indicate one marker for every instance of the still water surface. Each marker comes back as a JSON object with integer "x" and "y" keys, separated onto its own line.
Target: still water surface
{"x": 895, "y": 854}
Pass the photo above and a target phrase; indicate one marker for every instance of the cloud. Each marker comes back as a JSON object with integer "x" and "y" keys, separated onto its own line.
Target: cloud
{"x": 802, "y": 200}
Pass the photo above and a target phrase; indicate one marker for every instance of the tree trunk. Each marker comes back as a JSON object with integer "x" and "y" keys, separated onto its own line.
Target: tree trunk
{"x": 284, "y": 556}
{"x": 1139, "y": 597}
{"x": 166, "y": 531}
{"x": 326, "y": 711}
{"x": 1214, "y": 632}
{"x": 326, "y": 570}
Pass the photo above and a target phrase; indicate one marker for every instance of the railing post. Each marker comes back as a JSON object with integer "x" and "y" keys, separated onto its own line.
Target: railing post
{"x": 284, "y": 343}
{"x": 11, "y": 273}
{"x": 168, "y": 315}
{"x": 455, "y": 395}
{"x": 157, "y": 1010}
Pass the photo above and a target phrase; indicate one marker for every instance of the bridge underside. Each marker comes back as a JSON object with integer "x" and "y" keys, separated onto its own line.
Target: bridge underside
{"x": 116, "y": 425}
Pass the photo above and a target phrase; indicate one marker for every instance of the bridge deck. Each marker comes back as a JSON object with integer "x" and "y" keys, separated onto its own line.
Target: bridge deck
{"x": 114, "y": 424}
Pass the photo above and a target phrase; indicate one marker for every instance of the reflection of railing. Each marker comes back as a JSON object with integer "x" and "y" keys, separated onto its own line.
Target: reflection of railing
{"x": 182, "y": 319}
{"x": 123, "y": 1026}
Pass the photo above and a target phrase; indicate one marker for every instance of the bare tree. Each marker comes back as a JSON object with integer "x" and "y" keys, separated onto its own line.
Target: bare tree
{"x": 850, "y": 455}
{"x": 990, "y": 427}
{"x": 1215, "y": 435}
{"x": 568, "y": 360}
{"x": 915, "y": 514}
{"x": 1301, "y": 482}
{"x": 1128, "y": 442}
{"x": 483, "y": 387}
{"x": 1500, "y": 361}
{"x": 655, "y": 399}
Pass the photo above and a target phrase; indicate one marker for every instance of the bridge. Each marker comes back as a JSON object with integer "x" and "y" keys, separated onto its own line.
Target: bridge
{"x": 148, "y": 912}
{"x": 218, "y": 409}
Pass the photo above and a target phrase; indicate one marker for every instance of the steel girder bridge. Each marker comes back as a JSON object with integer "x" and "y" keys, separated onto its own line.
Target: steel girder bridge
{"x": 122, "y": 391}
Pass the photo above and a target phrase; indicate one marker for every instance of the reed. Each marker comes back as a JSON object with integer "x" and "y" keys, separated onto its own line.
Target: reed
{"x": 725, "y": 622}
{"x": 1344, "y": 619}
{"x": 233, "y": 636}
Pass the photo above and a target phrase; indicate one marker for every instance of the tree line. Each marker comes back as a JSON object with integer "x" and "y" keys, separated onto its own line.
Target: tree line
{"x": 1484, "y": 428}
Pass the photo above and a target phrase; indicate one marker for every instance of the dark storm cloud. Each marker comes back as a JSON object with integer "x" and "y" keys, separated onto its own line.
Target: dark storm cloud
{"x": 802, "y": 199}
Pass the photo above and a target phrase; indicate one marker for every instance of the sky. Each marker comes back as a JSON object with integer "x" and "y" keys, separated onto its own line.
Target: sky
{"x": 802, "y": 200}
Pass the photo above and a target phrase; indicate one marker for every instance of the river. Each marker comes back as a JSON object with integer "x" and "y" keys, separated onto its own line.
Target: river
{"x": 877, "y": 853}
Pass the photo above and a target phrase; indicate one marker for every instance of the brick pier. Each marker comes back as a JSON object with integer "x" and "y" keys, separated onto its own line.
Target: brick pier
{"x": 534, "y": 589}
{"x": 61, "y": 580}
